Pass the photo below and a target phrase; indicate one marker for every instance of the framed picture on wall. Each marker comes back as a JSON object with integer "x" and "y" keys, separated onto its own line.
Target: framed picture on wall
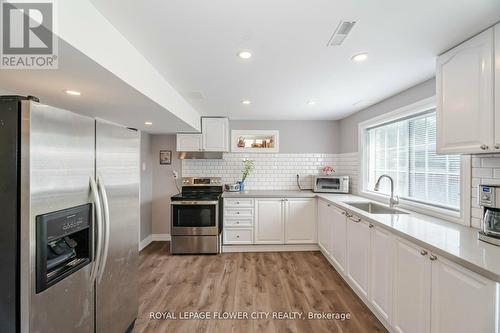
{"x": 165, "y": 157}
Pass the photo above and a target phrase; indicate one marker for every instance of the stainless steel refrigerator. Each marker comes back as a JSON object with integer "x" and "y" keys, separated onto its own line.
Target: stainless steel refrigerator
{"x": 69, "y": 209}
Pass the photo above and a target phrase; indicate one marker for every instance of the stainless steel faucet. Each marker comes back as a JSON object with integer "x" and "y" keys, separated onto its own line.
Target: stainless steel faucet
{"x": 393, "y": 200}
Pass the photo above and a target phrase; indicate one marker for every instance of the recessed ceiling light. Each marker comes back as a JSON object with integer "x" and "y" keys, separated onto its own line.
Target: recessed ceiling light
{"x": 245, "y": 54}
{"x": 72, "y": 92}
{"x": 360, "y": 57}
{"x": 148, "y": 123}
{"x": 246, "y": 102}
{"x": 311, "y": 102}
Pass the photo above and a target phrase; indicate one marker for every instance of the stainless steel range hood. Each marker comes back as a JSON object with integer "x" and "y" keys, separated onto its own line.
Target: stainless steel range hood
{"x": 199, "y": 155}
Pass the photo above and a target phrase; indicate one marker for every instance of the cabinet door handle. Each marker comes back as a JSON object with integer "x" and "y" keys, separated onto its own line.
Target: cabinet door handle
{"x": 432, "y": 257}
{"x": 483, "y": 147}
{"x": 497, "y": 146}
{"x": 237, "y": 222}
{"x": 237, "y": 213}
{"x": 423, "y": 252}
{"x": 370, "y": 225}
{"x": 356, "y": 220}
{"x": 343, "y": 213}
{"x": 237, "y": 236}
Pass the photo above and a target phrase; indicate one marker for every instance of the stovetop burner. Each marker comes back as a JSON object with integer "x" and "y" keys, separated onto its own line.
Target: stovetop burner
{"x": 200, "y": 189}
{"x": 196, "y": 196}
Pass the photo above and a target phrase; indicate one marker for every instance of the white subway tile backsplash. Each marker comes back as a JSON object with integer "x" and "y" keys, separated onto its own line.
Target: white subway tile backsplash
{"x": 485, "y": 170}
{"x": 274, "y": 171}
{"x": 482, "y": 172}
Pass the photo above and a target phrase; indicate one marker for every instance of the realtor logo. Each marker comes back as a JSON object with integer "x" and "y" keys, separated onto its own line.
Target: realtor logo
{"x": 28, "y": 39}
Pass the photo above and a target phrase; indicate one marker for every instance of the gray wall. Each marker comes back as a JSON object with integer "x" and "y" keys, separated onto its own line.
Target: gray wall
{"x": 311, "y": 136}
{"x": 163, "y": 182}
{"x": 349, "y": 126}
{"x": 146, "y": 187}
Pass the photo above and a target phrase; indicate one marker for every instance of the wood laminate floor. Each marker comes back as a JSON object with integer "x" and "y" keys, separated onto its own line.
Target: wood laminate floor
{"x": 248, "y": 283}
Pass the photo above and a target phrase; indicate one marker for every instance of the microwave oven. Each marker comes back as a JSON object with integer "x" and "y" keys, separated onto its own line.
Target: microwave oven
{"x": 331, "y": 184}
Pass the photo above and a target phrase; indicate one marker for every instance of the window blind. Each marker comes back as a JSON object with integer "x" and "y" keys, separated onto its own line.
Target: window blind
{"x": 406, "y": 150}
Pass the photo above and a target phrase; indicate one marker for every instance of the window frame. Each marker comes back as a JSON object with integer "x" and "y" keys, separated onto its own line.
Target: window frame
{"x": 462, "y": 216}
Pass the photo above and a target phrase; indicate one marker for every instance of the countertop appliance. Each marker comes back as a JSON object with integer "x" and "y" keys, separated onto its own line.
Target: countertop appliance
{"x": 331, "y": 184}
{"x": 70, "y": 214}
{"x": 232, "y": 187}
{"x": 489, "y": 200}
{"x": 196, "y": 222}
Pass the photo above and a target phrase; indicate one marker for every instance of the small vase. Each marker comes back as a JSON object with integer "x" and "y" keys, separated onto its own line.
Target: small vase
{"x": 242, "y": 186}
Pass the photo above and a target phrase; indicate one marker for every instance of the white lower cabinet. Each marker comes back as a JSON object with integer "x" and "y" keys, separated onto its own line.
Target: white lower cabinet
{"x": 381, "y": 263}
{"x": 411, "y": 289}
{"x": 300, "y": 221}
{"x": 358, "y": 253}
{"x": 339, "y": 238}
{"x": 325, "y": 228}
{"x": 462, "y": 301}
{"x": 412, "y": 283}
{"x": 269, "y": 221}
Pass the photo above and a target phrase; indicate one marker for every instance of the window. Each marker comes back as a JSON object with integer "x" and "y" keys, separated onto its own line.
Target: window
{"x": 403, "y": 146}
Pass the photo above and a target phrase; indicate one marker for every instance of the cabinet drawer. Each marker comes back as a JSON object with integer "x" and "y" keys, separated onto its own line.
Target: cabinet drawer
{"x": 238, "y": 236}
{"x": 238, "y": 212}
{"x": 243, "y": 202}
{"x": 235, "y": 222}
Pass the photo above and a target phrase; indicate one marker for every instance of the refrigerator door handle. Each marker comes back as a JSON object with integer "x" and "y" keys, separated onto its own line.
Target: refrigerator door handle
{"x": 102, "y": 189}
{"x": 98, "y": 223}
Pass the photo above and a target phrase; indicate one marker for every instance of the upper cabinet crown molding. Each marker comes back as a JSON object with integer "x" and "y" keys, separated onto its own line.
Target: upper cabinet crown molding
{"x": 466, "y": 112}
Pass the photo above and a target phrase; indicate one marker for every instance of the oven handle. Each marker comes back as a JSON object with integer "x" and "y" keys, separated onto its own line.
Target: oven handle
{"x": 195, "y": 202}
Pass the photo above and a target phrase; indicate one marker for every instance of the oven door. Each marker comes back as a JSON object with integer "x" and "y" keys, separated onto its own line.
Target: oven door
{"x": 191, "y": 218}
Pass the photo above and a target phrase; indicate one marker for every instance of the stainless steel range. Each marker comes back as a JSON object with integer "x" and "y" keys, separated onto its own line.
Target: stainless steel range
{"x": 197, "y": 217}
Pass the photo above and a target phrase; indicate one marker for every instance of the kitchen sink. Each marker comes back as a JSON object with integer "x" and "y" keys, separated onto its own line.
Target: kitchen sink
{"x": 374, "y": 208}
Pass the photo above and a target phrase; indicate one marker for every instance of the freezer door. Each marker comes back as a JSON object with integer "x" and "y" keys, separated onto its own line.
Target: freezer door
{"x": 56, "y": 172}
{"x": 117, "y": 168}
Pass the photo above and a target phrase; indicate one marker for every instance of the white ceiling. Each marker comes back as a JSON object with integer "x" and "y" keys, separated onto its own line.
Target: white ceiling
{"x": 193, "y": 44}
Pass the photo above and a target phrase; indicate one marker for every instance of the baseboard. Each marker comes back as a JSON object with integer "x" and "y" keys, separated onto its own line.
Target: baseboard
{"x": 145, "y": 242}
{"x": 161, "y": 238}
{"x": 270, "y": 248}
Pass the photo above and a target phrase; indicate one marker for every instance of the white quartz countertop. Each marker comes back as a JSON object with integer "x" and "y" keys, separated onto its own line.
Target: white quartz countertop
{"x": 270, "y": 194}
{"x": 450, "y": 240}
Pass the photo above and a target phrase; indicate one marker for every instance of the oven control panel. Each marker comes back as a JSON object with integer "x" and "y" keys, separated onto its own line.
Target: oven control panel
{"x": 201, "y": 181}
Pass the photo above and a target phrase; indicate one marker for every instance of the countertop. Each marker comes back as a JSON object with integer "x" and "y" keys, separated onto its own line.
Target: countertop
{"x": 270, "y": 194}
{"x": 450, "y": 240}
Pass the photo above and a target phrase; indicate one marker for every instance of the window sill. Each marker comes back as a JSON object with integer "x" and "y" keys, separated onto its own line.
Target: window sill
{"x": 444, "y": 214}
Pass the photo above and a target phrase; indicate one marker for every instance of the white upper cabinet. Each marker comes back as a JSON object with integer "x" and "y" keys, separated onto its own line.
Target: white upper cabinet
{"x": 269, "y": 221}
{"x": 358, "y": 253}
{"x": 189, "y": 142}
{"x": 215, "y": 132}
{"x": 412, "y": 288}
{"x": 462, "y": 301}
{"x": 497, "y": 88}
{"x": 300, "y": 220}
{"x": 465, "y": 102}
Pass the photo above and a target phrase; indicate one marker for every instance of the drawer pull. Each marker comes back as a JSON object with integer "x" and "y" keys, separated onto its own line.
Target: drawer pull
{"x": 237, "y": 236}
{"x": 483, "y": 147}
{"x": 370, "y": 225}
{"x": 237, "y": 222}
{"x": 432, "y": 257}
{"x": 238, "y": 213}
{"x": 423, "y": 252}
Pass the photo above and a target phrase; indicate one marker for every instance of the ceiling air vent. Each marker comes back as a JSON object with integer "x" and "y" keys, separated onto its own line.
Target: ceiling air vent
{"x": 340, "y": 34}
